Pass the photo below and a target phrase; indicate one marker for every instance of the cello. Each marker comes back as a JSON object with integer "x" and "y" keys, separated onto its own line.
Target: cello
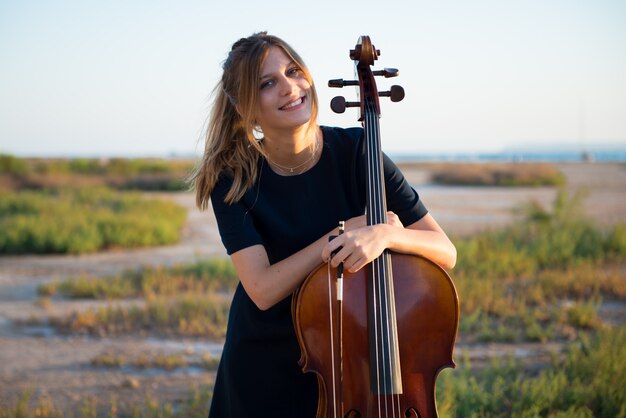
{"x": 378, "y": 339}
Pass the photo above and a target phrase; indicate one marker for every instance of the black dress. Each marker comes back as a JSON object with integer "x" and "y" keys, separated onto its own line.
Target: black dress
{"x": 258, "y": 375}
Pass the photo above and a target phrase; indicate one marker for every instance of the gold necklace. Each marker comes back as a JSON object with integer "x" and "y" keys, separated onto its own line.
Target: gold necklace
{"x": 304, "y": 165}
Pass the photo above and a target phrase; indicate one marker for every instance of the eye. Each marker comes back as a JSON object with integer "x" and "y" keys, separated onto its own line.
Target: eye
{"x": 293, "y": 71}
{"x": 267, "y": 83}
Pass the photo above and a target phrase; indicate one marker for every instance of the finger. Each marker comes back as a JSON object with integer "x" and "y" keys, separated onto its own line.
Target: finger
{"x": 352, "y": 263}
{"x": 356, "y": 266}
{"x": 340, "y": 257}
{"x": 331, "y": 247}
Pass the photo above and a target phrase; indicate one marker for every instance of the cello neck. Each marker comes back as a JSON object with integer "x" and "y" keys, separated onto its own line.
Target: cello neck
{"x": 376, "y": 201}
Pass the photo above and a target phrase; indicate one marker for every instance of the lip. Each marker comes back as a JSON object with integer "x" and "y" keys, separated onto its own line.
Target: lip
{"x": 287, "y": 107}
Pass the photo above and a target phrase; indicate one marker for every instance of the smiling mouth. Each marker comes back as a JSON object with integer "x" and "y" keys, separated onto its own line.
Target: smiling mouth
{"x": 293, "y": 104}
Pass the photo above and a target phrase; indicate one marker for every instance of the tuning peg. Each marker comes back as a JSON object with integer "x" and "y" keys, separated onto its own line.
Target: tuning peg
{"x": 396, "y": 93}
{"x": 340, "y": 82}
{"x": 354, "y": 53}
{"x": 338, "y": 104}
{"x": 387, "y": 72}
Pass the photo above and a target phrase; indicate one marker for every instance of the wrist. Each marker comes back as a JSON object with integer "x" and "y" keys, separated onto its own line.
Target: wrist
{"x": 387, "y": 235}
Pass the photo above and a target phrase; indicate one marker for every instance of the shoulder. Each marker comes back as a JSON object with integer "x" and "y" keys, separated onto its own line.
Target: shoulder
{"x": 224, "y": 180}
{"x": 223, "y": 185}
{"x": 343, "y": 140}
{"x": 344, "y": 134}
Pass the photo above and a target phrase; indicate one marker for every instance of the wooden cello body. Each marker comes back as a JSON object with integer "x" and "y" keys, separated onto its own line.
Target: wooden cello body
{"x": 378, "y": 341}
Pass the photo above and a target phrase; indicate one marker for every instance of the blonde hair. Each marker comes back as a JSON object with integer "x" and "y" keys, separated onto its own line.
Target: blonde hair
{"x": 230, "y": 144}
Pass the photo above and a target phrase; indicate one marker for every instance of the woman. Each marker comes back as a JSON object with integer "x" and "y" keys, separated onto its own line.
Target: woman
{"x": 279, "y": 184}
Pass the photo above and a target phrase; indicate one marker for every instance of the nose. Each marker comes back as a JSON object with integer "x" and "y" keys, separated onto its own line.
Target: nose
{"x": 287, "y": 86}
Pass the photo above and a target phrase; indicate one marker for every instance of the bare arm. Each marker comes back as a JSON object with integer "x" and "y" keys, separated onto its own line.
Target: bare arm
{"x": 268, "y": 284}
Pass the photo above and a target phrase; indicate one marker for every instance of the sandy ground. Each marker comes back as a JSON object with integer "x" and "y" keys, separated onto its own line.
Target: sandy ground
{"x": 38, "y": 359}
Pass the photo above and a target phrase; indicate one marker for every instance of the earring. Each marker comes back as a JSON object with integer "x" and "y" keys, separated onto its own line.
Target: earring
{"x": 257, "y": 133}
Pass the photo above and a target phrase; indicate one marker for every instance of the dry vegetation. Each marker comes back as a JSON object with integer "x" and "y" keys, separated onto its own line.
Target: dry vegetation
{"x": 118, "y": 173}
{"x": 493, "y": 174}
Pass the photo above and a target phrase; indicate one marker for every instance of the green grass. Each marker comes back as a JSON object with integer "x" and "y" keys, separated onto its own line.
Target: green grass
{"x": 12, "y": 165}
{"x": 588, "y": 382}
{"x": 154, "y": 361}
{"x": 196, "y": 405}
{"x": 213, "y": 274}
{"x": 79, "y": 221}
{"x": 540, "y": 279}
{"x": 189, "y": 300}
{"x": 192, "y": 315}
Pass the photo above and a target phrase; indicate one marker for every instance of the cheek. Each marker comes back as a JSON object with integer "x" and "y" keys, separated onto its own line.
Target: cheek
{"x": 263, "y": 104}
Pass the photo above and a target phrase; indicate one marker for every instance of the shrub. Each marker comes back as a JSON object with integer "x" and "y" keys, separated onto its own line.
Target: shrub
{"x": 200, "y": 277}
{"x": 85, "y": 220}
{"x": 587, "y": 383}
{"x": 121, "y": 173}
{"x": 492, "y": 174}
{"x": 194, "y": 315}
{"x": 522, "y": 277}
{"x": 12, "y": 165}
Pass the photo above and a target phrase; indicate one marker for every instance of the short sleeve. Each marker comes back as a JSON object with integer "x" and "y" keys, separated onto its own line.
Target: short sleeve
{"x": 402, "y": 199}
{"x": 234, "y": 221}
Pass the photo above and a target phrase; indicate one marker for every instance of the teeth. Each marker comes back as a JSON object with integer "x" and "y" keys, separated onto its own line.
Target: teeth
{"x": 292, "y": 104}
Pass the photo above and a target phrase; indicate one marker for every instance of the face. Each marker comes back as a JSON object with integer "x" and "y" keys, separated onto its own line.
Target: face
{"x": 284, "y": 96}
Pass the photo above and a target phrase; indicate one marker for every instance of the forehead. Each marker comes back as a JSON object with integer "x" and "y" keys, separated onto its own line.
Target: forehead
{"x": 276, "y": 59}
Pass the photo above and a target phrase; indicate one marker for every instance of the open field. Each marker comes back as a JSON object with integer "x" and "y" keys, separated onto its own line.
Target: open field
{"x": 60, "y": 366}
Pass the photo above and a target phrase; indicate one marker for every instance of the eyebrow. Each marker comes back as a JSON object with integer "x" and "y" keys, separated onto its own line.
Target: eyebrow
{"x": 289, "y": 64}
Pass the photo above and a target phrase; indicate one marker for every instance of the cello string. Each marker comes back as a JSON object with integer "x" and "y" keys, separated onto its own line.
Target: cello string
{"x": 378, "y": 215}
{"x": 384, "y": 281}
{"x": 374, "y": 215}
{"x": 375, "y": 212}
{"x": 373, "y": 285}
{"x": 387, "y": 289}
{"x": 384, "y": 271}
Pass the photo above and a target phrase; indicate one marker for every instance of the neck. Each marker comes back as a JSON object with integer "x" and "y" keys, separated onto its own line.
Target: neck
{"x": 292, "y": 147}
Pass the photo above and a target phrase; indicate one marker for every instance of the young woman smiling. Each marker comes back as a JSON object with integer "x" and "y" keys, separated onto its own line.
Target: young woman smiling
{"x": 279, "y": 184}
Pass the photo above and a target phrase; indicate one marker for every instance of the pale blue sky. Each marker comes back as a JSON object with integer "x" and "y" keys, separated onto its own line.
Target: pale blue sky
{"x": 134, "y": 77}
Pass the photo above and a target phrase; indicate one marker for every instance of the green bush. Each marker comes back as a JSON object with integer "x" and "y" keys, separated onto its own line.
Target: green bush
{"x": 12, "y": 165}
{"x": 515, "y": 284}
{"x": 85, "y": 220}
{"x": 589, "y": 382}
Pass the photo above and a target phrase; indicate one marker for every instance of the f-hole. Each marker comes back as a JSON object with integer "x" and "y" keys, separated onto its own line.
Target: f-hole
{"x": 412, "y": 413}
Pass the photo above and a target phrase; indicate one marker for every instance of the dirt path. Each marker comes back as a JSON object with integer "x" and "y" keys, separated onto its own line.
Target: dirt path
{"x": 60, "y": 366}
